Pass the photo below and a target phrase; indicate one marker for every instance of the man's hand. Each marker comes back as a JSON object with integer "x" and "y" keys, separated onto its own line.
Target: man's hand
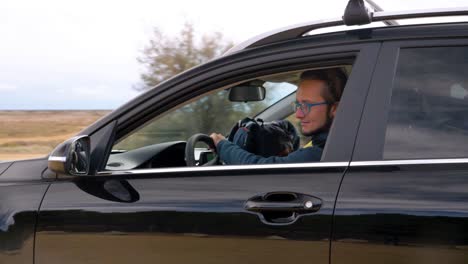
{"x": 217, "y": 138}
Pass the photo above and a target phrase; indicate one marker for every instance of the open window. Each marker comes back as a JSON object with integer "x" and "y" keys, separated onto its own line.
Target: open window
{"x": 161, "y": 142}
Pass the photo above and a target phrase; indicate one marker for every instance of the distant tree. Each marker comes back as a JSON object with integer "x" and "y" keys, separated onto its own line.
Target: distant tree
{"x": 166, "y": 56}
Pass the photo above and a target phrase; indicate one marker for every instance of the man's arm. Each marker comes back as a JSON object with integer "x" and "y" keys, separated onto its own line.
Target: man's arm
{"x": 232, "y": 154}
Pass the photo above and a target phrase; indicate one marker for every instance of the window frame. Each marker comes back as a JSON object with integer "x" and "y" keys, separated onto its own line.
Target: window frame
{"x": 343, "y": 132}
{"x": 372, "y": 130}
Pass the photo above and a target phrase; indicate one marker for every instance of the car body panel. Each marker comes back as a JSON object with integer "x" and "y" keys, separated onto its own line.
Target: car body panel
{"x": 402, "y": 214}
{"x": 182, "y": 217}
{"x": 24, "y": 170}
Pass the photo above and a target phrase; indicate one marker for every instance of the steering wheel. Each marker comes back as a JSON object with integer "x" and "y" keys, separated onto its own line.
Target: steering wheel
{"x": 190, "y": 150}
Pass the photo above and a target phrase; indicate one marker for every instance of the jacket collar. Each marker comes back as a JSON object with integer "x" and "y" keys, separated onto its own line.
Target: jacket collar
{"x": 318, "y": 140}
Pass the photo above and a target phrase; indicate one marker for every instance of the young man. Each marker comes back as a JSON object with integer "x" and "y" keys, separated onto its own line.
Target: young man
{"x": 317, "y": 99}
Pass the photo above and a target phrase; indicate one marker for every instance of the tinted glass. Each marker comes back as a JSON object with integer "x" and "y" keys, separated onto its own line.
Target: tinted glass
{"x": 429, "y": 107}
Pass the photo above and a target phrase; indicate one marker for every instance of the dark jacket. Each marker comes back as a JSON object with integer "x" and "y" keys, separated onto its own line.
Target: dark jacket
{"x": 232, "y": 154}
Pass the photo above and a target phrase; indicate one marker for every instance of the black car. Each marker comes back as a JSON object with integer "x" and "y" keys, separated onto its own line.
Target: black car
{"x": 391, "y": 186}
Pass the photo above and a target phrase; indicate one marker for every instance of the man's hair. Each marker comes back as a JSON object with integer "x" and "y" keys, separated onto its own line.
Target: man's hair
{"x": 334, "y": 78}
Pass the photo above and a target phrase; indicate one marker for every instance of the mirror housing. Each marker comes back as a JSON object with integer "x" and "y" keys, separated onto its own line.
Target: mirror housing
{"x": 247, "y": 92}
{"x": 72, "y": 157}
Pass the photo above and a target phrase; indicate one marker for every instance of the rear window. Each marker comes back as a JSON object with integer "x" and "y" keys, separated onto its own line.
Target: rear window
{"x": 429, "y": 105}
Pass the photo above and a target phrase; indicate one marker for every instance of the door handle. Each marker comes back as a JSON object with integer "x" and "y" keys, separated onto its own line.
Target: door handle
{"x": 282, "y": 207}
{"x": 273, "y": 206}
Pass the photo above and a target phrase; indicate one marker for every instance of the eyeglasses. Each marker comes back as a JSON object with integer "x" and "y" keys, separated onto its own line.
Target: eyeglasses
{"x": 305, "y": 107}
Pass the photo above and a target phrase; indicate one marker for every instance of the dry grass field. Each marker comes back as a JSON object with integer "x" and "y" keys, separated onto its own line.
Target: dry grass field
{"x": 31, "y": 134}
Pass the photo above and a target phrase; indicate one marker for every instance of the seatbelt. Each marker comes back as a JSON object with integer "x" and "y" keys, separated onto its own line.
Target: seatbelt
{"x": 308, "y": 145}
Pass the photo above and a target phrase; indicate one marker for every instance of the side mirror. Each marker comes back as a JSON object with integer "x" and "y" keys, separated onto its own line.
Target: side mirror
{"x": 247, "y": 92}
{"x": 72, "y": 157}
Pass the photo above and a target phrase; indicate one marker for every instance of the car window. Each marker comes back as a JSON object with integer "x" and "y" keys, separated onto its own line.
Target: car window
{"x": 429, "y": 104}
{"x": 168, "y": 140}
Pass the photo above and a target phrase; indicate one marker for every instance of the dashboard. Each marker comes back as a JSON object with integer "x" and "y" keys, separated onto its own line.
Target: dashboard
{"x": 162, "y": 155}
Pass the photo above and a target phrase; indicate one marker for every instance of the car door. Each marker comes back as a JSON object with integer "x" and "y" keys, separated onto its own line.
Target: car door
{"x": 405, "y": 197}
{"x": 200, "y": 214}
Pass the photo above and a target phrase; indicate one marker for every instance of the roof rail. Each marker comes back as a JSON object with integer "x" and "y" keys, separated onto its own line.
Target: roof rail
{"x": 356, "y": 13}
{"x": 377, "y": 8}
{"x": 298, "y": 30}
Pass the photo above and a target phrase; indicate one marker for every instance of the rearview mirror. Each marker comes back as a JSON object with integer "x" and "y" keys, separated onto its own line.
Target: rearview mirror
{"x": 246, "y": 92}
{"x": 72, "y": 157}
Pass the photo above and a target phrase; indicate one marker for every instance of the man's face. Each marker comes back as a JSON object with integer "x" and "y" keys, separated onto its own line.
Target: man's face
{"x": 309, "y": 91}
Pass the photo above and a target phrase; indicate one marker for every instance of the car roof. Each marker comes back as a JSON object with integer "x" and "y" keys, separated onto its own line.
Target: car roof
{"x": 298, "y": 31}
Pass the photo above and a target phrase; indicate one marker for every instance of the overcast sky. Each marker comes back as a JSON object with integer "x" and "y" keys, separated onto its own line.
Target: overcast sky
{"x": 82, "y": 54}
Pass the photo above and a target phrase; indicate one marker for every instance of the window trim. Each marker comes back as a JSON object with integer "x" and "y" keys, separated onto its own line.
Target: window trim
{"x": 408, "y": 162}
{"x": 225, "y": 168}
